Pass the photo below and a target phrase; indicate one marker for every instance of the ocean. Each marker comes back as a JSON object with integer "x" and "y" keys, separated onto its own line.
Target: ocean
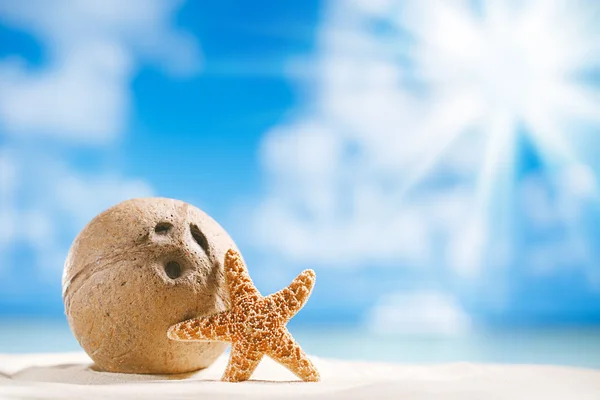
{"x": 570, "y": 347}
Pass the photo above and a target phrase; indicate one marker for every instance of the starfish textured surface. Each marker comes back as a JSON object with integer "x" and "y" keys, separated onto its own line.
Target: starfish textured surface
{"x": 255, "y": 325}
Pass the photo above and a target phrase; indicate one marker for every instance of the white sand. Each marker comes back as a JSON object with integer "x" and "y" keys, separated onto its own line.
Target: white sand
{"x": 71, "y": 375}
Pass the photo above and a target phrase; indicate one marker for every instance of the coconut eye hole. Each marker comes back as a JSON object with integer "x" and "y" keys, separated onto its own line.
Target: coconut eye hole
{"x": 163, "y": 227}
{"x": 200, "y": 238}
{"x": 173, "y": 269}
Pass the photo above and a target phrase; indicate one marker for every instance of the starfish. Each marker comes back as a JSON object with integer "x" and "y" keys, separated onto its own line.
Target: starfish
{"x": 254, "y": 325}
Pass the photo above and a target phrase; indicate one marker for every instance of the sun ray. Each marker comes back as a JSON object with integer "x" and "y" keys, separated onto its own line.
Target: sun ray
{"x": 495, "y": 180}
{"x": 498, "y": 157}
{"x": 449, "y": 119}
{"x": 554, "y": 149}
{"x": 576, "y": 101}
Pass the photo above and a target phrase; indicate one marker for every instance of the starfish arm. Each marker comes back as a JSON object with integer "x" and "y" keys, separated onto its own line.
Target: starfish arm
{"x": 290, "y": 300}
{"x": 288, "y": 353}
{"x": 216, "y": 327}
{"x": 237, "y": 278}
{"x": 242, "y": 362}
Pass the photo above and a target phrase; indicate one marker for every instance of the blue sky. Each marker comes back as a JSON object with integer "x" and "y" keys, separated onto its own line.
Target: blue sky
{"x": 430, "y": 156}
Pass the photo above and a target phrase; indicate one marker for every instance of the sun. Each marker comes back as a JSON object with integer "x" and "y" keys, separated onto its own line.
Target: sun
{"x": 518, "y": 63}
{"x": 499, "y": 68}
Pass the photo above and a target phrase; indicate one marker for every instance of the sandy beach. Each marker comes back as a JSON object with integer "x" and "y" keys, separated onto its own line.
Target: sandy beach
{"x": 72, "y": 375}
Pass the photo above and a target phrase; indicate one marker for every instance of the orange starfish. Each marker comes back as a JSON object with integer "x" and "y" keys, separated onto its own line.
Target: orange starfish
{"x": 255, "y": 325}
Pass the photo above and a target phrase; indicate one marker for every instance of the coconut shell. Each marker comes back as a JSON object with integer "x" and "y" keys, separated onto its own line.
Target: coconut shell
{"x": 135, "y": 270}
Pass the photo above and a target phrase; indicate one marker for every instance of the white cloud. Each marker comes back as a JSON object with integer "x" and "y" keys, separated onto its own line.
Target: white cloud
{"x": 92, "y": 49}
{"x": 404, "y": 144}
{"x": 376, "y": 7}
{"x": 556, "y": 213}
{"x": 7, "y": 185}
{"x": 85, "y": 197}
{"x": 420, "y": 312}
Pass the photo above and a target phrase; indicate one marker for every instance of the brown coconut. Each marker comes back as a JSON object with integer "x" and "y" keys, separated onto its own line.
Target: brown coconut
{"x": 138, "y": 268}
